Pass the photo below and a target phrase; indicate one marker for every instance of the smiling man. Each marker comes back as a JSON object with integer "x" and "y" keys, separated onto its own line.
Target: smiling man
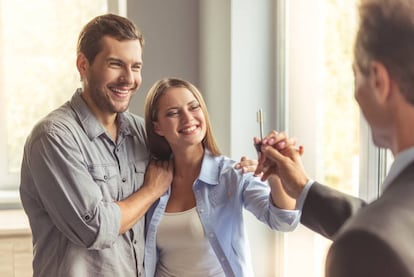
{"x": 82, "y": 176}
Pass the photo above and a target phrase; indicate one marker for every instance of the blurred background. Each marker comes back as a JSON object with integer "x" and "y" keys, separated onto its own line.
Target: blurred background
{"x": 291, "y": 58}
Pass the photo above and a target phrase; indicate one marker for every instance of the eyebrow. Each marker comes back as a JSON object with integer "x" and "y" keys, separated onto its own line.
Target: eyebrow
{"x": 188, "y": 104}
{"x": 111, "y": 59}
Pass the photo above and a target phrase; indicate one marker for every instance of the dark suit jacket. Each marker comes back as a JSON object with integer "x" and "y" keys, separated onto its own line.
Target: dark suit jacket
{"x": 375, "y": 239}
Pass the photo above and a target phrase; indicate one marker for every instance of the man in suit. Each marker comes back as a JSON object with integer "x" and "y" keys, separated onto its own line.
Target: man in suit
{"x": 375, "y": 239}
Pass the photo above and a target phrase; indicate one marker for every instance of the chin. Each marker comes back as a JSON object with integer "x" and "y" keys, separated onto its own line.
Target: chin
{"x": 380, "y": 141}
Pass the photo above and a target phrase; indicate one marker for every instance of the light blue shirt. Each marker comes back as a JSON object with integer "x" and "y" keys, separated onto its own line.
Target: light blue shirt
{"x": 221, "y": 193}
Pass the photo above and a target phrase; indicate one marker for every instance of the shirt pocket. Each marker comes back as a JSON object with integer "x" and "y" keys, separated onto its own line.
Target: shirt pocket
{"x": 107, "y": 178}
{"x": 138, "y": 173}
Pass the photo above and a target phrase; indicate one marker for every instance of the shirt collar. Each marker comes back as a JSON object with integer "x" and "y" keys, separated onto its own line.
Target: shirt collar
{"x": 89, "y": 122}
{"x": 401, "y": 161}
{"x": 210, "y": 168}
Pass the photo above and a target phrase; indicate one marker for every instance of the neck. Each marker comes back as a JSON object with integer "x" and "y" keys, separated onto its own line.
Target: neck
{"x": 188, "y": 162}
{"x": 402, "y": 136}
{"x": 108, "y": 120}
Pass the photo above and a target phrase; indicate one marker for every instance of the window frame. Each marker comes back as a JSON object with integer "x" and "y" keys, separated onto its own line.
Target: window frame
{"x": 373, "y": 161}
{"x": 9, "y": 181}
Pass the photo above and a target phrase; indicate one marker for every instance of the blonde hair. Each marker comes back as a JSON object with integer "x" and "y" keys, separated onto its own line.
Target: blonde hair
{"x": 158, "y": 145}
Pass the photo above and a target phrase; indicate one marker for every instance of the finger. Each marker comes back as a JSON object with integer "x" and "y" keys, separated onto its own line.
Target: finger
{"x": 249, "y": 168}
{"x": 301, "y": 150}
{"x": 265, "y": 175}
{"x": 270, "y": 137}
{"x": 273, "y": 154}
{"x": 279, "y": 140}
{"x": 238, "y": 165}
{"x": 260, "y": 165}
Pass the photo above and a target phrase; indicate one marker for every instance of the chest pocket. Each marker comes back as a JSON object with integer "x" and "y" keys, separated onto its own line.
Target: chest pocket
{"x": 107, "y": 178}
{"x": 139, "y": 168}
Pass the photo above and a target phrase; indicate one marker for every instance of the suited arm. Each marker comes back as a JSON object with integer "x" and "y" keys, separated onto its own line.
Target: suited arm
{"x": 325, "y": 210}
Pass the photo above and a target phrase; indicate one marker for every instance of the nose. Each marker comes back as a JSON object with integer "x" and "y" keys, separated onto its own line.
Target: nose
{"x": 127, "y": 76}
{"x": 186, "y": 116}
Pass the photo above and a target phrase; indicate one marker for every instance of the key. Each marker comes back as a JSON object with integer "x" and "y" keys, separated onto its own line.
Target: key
{"x": 260, "y": 120}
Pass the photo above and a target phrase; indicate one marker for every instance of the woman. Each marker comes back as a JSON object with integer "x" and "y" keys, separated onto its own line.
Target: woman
{"x": 196, "y": 228}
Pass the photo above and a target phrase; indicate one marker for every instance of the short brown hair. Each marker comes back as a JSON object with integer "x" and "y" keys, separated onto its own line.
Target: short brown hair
{"x": 158, "y": 145}
{"x": 386, "y": 34}
{"x": 118, "y": 27}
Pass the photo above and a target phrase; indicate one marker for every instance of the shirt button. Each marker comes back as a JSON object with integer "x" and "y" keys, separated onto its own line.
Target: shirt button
{"x": 135, "y": 242}
{"x": 222, "y": 259}
{"x": 211, "y": 235}
{"x": 124, "y": 180}
{"x": 139, "y": 274}
{"x": 105, "y": 177}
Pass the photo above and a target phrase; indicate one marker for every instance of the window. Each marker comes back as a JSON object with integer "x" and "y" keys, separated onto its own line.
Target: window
{"x": 37, "y": 71}
{"x": 317, "y": 49}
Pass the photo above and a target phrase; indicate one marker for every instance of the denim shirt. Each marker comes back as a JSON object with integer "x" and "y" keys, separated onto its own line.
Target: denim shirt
{"x": 221, "y": 193}
{"x": 72, "y": 175}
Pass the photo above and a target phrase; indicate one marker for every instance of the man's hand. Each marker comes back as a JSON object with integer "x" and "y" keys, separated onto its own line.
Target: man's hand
{"x": 279, "y": 156}
{"x": 158, "y": 178}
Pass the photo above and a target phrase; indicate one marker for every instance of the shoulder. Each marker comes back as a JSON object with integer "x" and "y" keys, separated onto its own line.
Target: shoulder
{"x": 134, "y": 119}
{"x": 374, "y": 242}
{"x": 58, "y": 121}
{"x": 136, "y": 123}
{"x": 216, "y": 169}
{"x": 219, "y": 161}
{"x": 361, "y": 252}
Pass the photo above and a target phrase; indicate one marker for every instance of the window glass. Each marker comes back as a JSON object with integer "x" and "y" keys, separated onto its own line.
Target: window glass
{"x": 37, "y": 69}
{"x": 323, "y": 113}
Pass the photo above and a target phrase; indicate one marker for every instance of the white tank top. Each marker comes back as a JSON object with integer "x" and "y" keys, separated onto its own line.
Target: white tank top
{"x": 184, "y": 249}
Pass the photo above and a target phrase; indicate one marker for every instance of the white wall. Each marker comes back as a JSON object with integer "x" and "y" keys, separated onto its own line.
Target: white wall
{"x": 171, "y": 33}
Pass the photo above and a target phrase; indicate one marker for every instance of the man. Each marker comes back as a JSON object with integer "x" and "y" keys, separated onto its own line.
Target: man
{"x": 373, "y": 239}
{"x": 82, "y": 176}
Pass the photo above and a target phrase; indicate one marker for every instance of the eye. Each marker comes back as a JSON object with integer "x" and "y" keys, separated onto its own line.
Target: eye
{"x": 115, "y": 64}
{"x": 137, "y": 67}
{"x": 195, "y": 106}
{"x": 172, "y": 113}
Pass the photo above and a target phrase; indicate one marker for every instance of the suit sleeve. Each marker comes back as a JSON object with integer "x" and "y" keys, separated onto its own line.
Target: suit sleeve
{"x": 325, "y": 209}
{"x": 360, "y": 253}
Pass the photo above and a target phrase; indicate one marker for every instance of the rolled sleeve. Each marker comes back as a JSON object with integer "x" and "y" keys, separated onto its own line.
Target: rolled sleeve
{"x": 258, "y": 200}
{"x": 108, "y": 230}
{"x": 284, "y": 220}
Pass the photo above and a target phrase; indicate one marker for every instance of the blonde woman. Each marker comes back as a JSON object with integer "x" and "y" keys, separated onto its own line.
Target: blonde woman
{"x": 196, "y": 228}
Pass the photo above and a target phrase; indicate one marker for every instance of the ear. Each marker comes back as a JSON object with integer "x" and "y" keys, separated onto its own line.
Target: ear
{"x": 157, "y": 128}
{"x": 381, "y": 81}
{"x": 82, "y": 64}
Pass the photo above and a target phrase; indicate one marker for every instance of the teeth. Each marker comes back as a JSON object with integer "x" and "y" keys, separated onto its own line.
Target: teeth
{"x": 189, "y": 129}
{"x": 120, "y": 91}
